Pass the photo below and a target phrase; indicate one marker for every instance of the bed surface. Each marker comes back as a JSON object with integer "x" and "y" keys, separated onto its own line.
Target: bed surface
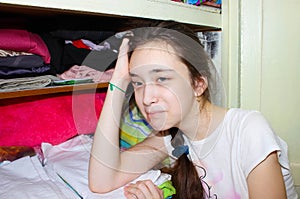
{"x": 38, "y": 176}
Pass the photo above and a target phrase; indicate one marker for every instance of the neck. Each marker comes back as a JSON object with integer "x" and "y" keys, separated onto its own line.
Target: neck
{"x": 200, "y": 124}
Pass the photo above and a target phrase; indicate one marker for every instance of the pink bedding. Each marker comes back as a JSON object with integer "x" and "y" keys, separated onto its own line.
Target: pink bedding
{"x": 29, "y": 121}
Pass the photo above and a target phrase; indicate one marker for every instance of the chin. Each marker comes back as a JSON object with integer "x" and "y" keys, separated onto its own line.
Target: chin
{"x": 160, "y": 127}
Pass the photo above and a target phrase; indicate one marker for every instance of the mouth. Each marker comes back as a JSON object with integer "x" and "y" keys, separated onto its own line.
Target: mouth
{"x": 157, "y": 119}
{"x": 155, "y": 114}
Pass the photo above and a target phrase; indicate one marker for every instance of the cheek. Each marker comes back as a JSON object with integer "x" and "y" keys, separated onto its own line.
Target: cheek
{"x": 183, "y": 92}
{"x": 177, "y": 105}
{"x": 139, "y": 101}
{"x": 183, "y": 100}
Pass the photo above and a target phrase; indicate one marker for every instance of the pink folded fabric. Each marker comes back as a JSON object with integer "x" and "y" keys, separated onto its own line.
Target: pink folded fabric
{"x": 81, "y": 72}
{"x": 24, "y": 41}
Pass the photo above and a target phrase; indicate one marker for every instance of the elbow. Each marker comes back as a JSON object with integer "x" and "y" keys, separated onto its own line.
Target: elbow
{"x": 99, "y": 188}
{"x": 99, "y": 182}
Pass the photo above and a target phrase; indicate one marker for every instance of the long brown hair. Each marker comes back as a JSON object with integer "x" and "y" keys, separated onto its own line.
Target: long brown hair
{"x": 184, "y": 174}
{"x": 190, "y": 51}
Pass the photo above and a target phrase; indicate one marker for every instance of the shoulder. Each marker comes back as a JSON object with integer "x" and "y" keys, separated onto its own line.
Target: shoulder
{"x": 238, "y": 113}
{"x": 248, "y": 123}
{"x": 254, "y": 137}
{"x": 243, "y": 117}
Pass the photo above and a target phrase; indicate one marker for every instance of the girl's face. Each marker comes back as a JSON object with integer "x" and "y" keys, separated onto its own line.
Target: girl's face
{"x": 162, "y": 85}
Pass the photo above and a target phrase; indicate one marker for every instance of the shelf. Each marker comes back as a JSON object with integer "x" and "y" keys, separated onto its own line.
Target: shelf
{"x": 100, "y": 14}
{"x": 150, "y": 9}
{"x": 53, "y": 90}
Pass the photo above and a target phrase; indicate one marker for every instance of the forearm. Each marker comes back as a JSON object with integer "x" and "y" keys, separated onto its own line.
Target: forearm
{"x": 111, "y": 169}
{"x": 105, "y": 154}
{"x": 128, "y": 165}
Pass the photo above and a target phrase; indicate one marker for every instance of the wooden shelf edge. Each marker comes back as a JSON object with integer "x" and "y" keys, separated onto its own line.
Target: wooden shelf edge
{"x": 53, "y": 90}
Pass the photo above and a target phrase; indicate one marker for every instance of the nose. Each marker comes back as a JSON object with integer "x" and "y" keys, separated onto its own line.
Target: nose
{"x": 150, "y": 94}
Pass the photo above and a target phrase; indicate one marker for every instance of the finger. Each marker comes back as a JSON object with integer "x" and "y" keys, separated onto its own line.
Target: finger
{"x": 143, "y": 190}
{"x": 154, "y": 190}
{"x": 146, "y": 189}
{"x": 133, "y": 191}
{"x": 121, "y": 68}
{"x": 129, "y": 195}
{"x": 123, "y": 50}
{"x": 140, "y": 190}
{"x": 124, "y": 47}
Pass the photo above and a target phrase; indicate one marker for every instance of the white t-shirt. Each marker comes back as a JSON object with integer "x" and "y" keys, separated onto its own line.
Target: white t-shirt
{"x": 226, "y": 157}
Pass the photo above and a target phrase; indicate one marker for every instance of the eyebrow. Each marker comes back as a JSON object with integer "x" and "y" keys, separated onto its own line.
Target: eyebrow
{"x": 159, "y": 70}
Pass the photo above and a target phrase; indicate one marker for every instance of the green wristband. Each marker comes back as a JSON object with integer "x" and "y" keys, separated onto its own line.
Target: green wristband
{"x": 112, "y": 86}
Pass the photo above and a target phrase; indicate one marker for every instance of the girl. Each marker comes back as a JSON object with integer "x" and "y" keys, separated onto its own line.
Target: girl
{"x": 219, "y": 153}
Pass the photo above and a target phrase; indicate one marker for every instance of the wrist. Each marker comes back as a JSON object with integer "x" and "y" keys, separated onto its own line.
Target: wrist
{"x": 119, "y": 84}
{"x": 112, "y": 87}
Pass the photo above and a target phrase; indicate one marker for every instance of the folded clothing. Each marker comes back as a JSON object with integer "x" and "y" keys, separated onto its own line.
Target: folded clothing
{"x": 24, "y": 41}
{"x": 77, "y": 72}
{"x": 26, "y": 83}
{"x": 21, "y": 61}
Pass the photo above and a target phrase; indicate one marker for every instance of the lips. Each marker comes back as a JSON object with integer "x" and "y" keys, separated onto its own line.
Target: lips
{"x": 157, "y": 119}
{"x": 154, "y": 110}
{"x": 158, "y": 114}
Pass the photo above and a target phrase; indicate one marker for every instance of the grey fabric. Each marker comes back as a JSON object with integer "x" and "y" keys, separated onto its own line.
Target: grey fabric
{"x": 15, "y": 84}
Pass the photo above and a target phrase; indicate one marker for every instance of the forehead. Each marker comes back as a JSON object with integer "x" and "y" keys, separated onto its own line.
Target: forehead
{"x": 156, "y": 55}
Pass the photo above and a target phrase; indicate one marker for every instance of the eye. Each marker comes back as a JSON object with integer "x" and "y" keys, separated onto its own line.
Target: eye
{"x": 136, "y": 83}
{"x": 162, "y": 79}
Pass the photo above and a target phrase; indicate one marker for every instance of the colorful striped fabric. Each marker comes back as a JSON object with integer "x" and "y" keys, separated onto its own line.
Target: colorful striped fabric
{"x": 134, "y": 128}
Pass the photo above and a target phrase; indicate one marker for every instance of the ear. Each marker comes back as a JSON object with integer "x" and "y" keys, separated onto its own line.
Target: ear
{"x": 201, "y": 85}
